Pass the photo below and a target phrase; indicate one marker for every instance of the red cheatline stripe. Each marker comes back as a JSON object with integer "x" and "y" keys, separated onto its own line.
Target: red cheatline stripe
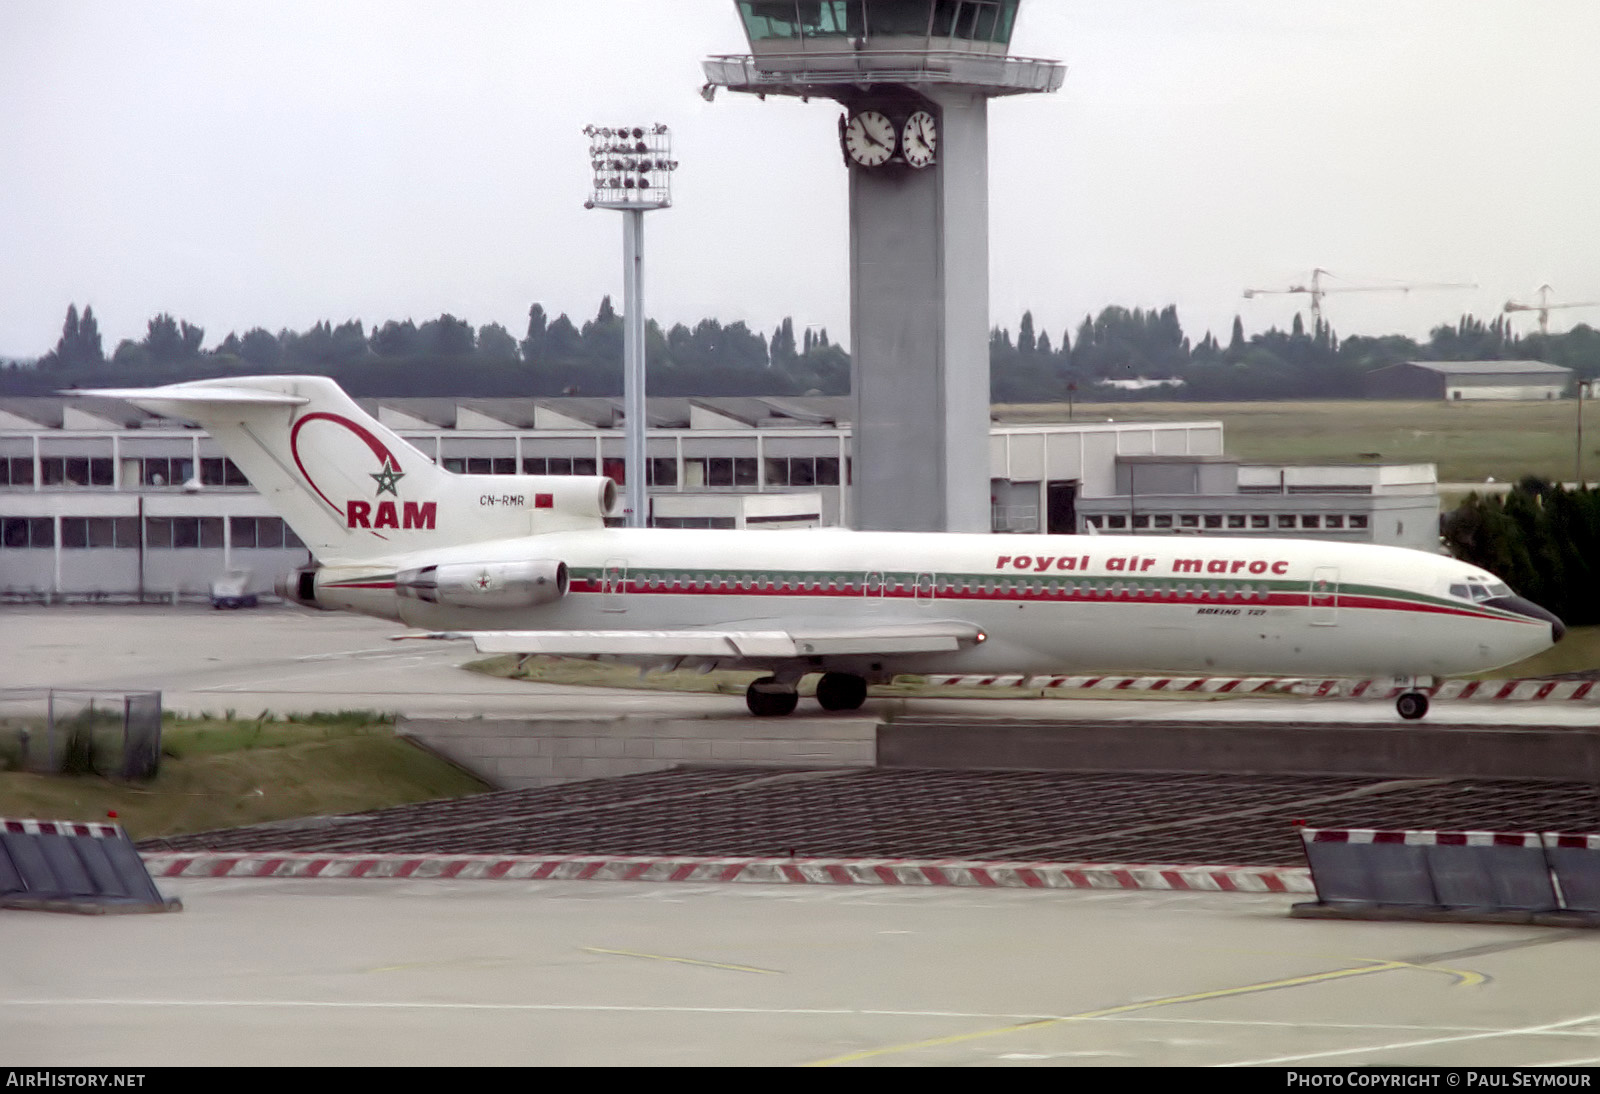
{"x": 731, "y": 873}
{"x": 546, "y": 869}
{"x": 633, "y": 872}
{"x": 793, "y": 873}
{"x": 451, "y": 869}
{"x": 221, "y": 867}
{"x": 983, "y": 877}
{"x": 1545, "y": 689}
{"x": 1452, "y": 839}
{"x": 682, "y": 872}
{"x": 1175, "y": 879}
{"x": 589, "y": 870}
{"x": 1194, "y": 685}
{"x": 1388, "y": 837}
{"x": 1125, "y": 879}
{"x": 935, "y": 875}
{"x": 1030, "y": 878}
{"x": 886, "y": 875}
{"x": 1506, "y": 689}
{"x": 1582, "y": 690}
{"x": 1124, "y": 683}
{"x": 1330, "y": 835}
{"x": 1225, "y": 882}
{"x": 498, "y": 869}
{"x": 1273, "y": 882}
{"x": 1229, "y": 686}
{"x": 839, "y": 874}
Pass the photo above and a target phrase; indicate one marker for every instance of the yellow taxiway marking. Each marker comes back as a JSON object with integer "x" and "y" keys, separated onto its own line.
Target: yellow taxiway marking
{"x": 682, "y": 960}
{"x": 1128, "y": 1008}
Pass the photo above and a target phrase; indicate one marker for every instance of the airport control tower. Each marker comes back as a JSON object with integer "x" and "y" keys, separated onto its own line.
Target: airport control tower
{"x": 915, "y": 78}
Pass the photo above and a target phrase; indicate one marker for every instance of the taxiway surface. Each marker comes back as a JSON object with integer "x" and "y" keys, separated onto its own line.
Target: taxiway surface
{"x": 617, "y": 973}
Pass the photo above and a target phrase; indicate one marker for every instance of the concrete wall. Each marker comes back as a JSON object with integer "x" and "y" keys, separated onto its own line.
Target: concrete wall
{"x": 515, "y": 753}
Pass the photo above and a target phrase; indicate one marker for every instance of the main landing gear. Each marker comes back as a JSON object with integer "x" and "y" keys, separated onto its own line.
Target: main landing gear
{"x": 769, "y": 697}
{"x": 1411, "y": 705}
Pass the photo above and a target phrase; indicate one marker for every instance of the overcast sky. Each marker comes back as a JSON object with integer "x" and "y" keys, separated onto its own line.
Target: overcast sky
{"x": 278, "y": 163}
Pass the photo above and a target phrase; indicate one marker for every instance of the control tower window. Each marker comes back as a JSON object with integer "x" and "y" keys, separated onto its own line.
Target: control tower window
{"x": 768, "y": 19}
{"x": 830, "y": 18}
{"x": 898, "y": 18}
{"x": 974, "y": 20}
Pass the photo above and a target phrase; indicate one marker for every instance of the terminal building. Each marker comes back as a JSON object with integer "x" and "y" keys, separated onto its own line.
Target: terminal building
{"x": 101, "y": 499}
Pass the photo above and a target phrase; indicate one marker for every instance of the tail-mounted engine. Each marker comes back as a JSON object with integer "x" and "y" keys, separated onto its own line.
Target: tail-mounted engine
{"x": 485, "y": 584}
{"x": 300, "y": 587}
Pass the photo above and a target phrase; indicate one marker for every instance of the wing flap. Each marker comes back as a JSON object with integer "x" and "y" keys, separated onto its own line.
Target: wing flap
{"x": 727, "y": 642}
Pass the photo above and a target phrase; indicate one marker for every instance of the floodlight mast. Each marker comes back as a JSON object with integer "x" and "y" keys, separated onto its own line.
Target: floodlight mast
{"x": 633, "y": 168}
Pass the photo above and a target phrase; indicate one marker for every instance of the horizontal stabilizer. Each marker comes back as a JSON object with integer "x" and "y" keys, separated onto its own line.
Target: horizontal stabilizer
{"x": 178, "y": 394}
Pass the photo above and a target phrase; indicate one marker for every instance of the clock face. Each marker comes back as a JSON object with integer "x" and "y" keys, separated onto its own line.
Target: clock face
{"x": 918, "y": 140}
{"x": 869, "y": 138}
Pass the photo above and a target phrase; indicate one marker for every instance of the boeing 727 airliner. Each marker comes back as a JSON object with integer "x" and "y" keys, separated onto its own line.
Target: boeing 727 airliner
{"x": 525, "y": 564}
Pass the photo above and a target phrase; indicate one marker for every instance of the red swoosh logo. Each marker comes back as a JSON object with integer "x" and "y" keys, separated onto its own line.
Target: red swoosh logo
{"x": 379, "y": 449}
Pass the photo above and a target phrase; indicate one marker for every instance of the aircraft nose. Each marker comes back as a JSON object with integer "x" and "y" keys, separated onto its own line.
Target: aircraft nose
{"x": 1528, "y": 608}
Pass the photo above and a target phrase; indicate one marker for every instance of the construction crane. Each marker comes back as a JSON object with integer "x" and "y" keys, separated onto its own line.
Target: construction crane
{"x": 1316, "y": 290}
{"x": 1544, "y": 307}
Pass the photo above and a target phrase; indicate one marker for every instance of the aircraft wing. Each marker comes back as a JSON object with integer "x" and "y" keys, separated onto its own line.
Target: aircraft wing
{"x": 731, "y": 643}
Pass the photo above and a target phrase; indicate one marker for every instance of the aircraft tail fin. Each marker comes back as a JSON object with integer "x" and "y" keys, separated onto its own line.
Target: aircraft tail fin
{"x": 352, "y": 488}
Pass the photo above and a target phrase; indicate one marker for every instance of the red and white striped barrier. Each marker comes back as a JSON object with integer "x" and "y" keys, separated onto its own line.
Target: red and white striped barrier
{"x": 1014, "y": 875}
{"x": 59, "y": 828}
{"x": 1425, "y": 838}
{"x": 1474, "y": 690}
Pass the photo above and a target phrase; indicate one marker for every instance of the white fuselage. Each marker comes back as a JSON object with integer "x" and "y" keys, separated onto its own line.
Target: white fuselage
{"x": 1046, "y": 603}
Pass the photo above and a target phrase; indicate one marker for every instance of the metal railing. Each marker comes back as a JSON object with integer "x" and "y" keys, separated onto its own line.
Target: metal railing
{"x": 793, "y": 73}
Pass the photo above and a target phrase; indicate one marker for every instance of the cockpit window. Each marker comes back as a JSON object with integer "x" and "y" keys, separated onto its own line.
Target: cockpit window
{"x": 1480, "y": 591}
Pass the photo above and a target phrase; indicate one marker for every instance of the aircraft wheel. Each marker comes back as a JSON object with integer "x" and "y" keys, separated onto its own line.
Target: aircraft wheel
{"x": 841, "y": 691}
{"x": 765, "y": 699}
{"x": 1412, "y": 705}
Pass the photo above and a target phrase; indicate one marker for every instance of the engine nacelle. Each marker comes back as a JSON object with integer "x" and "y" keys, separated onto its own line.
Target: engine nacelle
{"x": 300, "y": 587}
{"x": 486, "y": 584}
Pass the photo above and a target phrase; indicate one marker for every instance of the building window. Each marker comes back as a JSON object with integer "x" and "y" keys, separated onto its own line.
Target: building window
{"x": 221, "y": 471}
{"x": 663, "y": 471}
{"x": 1309, "y": 520}
{"x": 1259, "y": 520}
{"x": 1213, "y": 520}
{"x": 719, "y": 471}
{"x": 1358, "y": 521}
{"x": 181, "y": 533}
{"x": 161, "y": 471}
{"x": 1235, "y": 520}
{"x": 1116, "y": 522}
{"x": 1141, "y": 520}
{"x": 1189, "y": 520}
{"x": 16, "y": 471}
{"x": 77, "y": 471}
{"x": 1335, "y": 521}
{"x": 261, "y": 532}
{"x": 23, "y": 532}
{"x": 744, "y": 471}
{"x": 1163, "y": 520}
{"x": 1285, "y": 520}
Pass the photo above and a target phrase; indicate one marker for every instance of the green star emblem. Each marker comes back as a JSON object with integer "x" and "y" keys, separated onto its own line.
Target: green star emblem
{"x": 389, "y": 478}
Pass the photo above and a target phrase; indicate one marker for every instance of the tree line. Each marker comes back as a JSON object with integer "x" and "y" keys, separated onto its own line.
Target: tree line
{"x": 555, "y": 356}
{"x": 1541, "y": 538}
